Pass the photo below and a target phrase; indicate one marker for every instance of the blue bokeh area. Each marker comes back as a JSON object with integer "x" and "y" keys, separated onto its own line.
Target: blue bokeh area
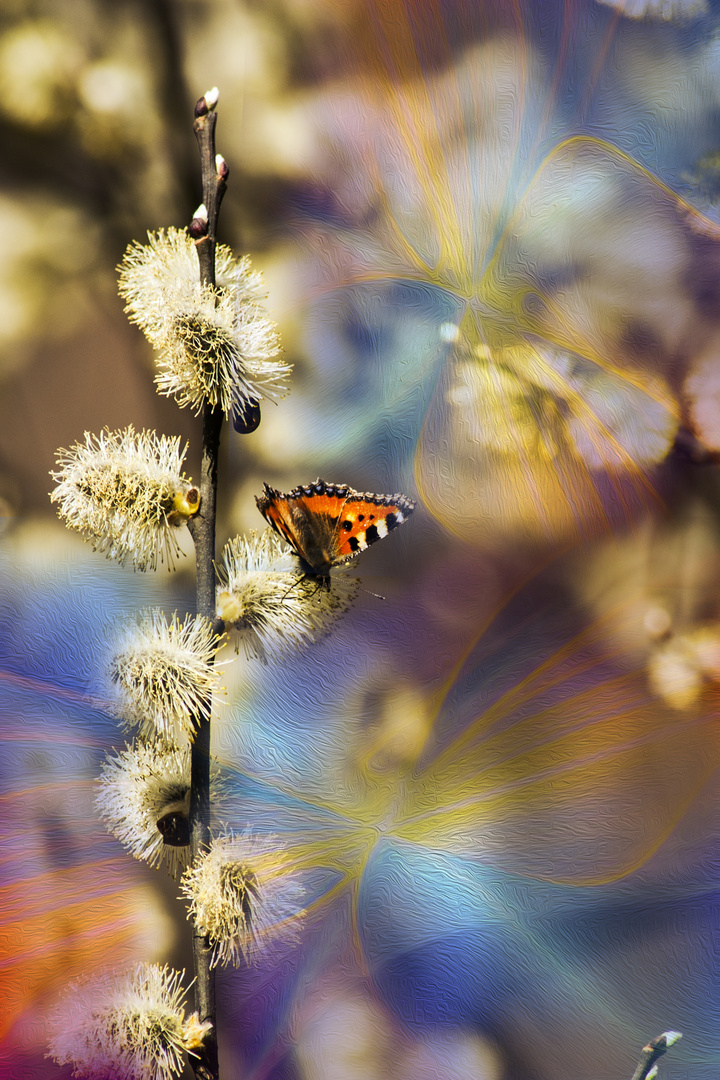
{"x": 509, "y": 943}
{"x": 506, "y": 955}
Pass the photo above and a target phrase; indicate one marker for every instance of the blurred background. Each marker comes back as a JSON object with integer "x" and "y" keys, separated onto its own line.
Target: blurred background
{"x": 491, "y": 238}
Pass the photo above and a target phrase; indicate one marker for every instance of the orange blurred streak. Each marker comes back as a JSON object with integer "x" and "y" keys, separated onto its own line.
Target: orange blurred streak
{"x": 59, "y": 925}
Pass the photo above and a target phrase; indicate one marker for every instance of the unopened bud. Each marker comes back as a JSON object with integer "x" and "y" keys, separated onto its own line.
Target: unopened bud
{"x": 222, "y": 167}
{"x": 174, "y": 828}
{"x": 207, "y": 102}
{"x": 246, "y": 416}
{"x": 198, "y": 227}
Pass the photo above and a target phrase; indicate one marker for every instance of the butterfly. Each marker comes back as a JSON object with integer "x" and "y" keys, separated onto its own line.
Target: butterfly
{"x": 329, "y": 524}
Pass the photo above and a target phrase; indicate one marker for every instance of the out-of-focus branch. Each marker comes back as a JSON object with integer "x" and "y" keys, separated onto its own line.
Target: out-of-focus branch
{"x": 646, "y": 1067}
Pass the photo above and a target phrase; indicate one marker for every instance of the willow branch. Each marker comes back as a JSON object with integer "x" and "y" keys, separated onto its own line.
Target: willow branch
{"x": 202, "y": 528}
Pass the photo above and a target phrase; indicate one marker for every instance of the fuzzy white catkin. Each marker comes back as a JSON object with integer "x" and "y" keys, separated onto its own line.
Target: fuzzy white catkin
{"x": 164, "y": 674}
{"x": 141, "y": 786}
{"x": 123, "y": 1025}
{"x": 125, "y": 493}
{"x": 243, "y": 893}
{"x": 214, "y": 345}
{"x": 271, "y": 606}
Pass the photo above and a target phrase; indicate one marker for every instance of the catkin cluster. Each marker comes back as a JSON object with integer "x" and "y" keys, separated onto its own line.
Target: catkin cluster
{"x": 214, "y": 344}
{"x": 126, "y": 494}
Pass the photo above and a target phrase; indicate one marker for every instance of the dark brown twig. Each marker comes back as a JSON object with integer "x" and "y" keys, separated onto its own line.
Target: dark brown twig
{"x": 202, "y": 528}
{"x": 213, "y": 183}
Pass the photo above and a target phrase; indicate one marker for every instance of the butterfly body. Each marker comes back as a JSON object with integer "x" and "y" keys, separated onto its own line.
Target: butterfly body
{"x": 326, "y": 525}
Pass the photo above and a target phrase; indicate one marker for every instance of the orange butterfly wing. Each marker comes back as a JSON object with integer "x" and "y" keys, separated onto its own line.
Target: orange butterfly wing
{"x": 363, "y": 521}
{"x": 328, "y": 524}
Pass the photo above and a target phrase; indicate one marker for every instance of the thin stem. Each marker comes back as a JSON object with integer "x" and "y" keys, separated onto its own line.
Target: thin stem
{"x": 650, "y": 1053}
{"x": 213, "y": 187}
{"x": 202, "y": 528}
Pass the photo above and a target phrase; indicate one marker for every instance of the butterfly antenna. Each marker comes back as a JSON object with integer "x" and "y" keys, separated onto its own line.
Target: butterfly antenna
{"x": 293, "y": 586}
{"x": 376, "y": 595}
